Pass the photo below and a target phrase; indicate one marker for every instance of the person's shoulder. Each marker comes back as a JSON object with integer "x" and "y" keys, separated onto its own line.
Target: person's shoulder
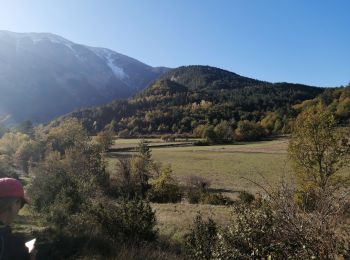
{"x": 15, "y": 246}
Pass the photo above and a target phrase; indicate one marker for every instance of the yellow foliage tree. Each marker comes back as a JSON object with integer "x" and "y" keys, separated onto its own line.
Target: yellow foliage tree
{"x": 318, "y": 149}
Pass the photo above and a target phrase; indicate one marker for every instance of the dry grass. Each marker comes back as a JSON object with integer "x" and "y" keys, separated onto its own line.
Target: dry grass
{"x": 174, "y": 220}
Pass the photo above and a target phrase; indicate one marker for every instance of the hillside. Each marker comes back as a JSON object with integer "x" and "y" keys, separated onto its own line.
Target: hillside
{"x": 44, "y": 76}
{"x": 337, "y": 100}
{"x": 190, "y": 96}
{"x": 209, "y": 78}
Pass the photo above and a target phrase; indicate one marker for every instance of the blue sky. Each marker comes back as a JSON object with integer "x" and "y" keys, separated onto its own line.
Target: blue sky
{"x": 304, "y": 41}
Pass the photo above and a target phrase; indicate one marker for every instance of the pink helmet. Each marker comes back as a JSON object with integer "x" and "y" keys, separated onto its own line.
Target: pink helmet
{"x": 11, "y": 188}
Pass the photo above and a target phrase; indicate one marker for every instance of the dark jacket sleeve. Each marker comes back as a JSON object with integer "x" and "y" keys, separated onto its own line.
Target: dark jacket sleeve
{"x": 12, "y": 248}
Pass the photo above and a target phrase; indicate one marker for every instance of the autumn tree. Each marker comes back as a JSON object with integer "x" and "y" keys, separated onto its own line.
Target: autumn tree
{"x": 6, "y": 168}
{"x": 11, "y": 141}
{"x": 165, "y": 187}
{"x": 105, "y": 139}
{"x": 224, "y": 132}
{"x": 28, "y": 154}
{"x": 249, "y": 131}
{"x": 70, "y": 133}
{"x": 141, "y": 167}
{"x": 318, "y": 149}
{"x": 209, "y": 134}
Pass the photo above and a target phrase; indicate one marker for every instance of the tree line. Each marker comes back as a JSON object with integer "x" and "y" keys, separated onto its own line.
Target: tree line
{"x": 170, "y": 108}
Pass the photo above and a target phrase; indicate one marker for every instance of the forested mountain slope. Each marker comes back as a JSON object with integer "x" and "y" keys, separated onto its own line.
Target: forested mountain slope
{"x": 187, "y": 97}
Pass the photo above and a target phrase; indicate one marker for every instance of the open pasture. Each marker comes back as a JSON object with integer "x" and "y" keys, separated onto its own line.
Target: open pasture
{"x": 227, "y": 167}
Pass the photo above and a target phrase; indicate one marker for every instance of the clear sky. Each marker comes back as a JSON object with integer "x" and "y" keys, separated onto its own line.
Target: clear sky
{"x": 304, "y": 41}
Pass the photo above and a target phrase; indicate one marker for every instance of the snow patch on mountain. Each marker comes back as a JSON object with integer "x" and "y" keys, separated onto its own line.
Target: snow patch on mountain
{"x": 119, "y": 72}
{"x": 110, "y": 56}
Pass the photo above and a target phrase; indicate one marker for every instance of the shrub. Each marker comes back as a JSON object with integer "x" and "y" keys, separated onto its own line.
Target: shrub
{"x": 197, "y": 191}
{"x": 125, "y": 221}
{"x": 64, "y": 184}
{"x": 215, "y": 199}
{"x": 69, "y": 191}
{"x": 152, "y": 251}
{"x": 195, "y": 186}
{"x": 276, "y": 228}
{"x": 246, "y": 197}
{"x": 193, "y": 195}
{"x": 201, "y": 143}
{"x": 307, "y": 198}
{"x": 165, "y": 188}
{"x": 201, "y": 238}
{"x": 280, "y": 229}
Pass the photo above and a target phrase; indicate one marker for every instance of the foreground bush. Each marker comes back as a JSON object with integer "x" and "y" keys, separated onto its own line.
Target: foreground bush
{"x": 53, "y": 247}
{"x": 246, "y": 197}
{"x": 277, "y": 228}
{"x": 70, "y": 192}
{"x": 66, "y": 182}
{"x": 199, "y": 242}
{"x": 149, "y": 251}
{"x": 124, "y": 221}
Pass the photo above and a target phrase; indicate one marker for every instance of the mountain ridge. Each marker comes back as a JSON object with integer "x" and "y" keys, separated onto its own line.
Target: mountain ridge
{"x": 44, "y": 75}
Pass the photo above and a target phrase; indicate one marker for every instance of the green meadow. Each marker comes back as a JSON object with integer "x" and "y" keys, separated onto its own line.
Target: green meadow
{"x": 229, "y": 169}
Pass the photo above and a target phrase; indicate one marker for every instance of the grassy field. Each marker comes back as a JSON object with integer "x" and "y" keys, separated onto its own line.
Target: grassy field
{"x": 225, "y": 166}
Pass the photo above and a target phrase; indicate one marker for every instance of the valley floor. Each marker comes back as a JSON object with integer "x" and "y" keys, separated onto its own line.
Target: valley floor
{"x": 229, "y": 169}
